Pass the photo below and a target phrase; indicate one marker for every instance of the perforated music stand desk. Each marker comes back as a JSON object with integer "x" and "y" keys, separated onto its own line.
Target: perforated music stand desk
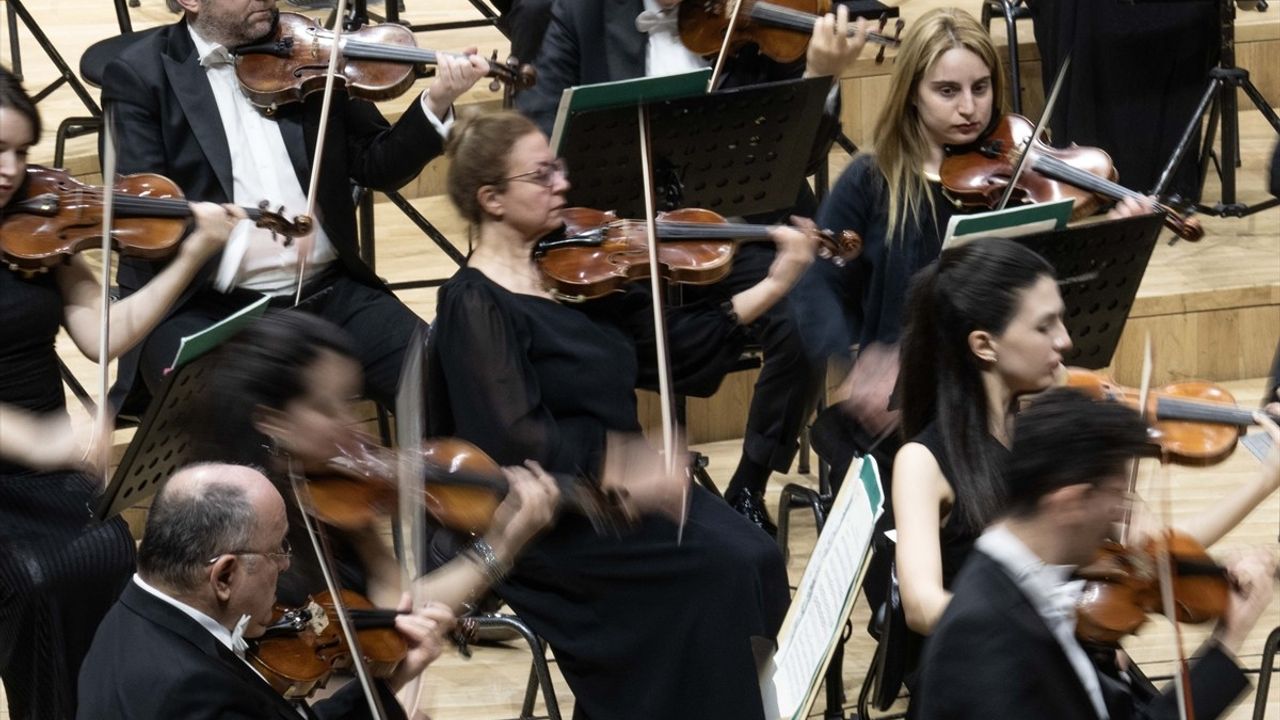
{"x": 162, "y": 443}
{"x": 737, "y": 152}
{"x": 1100, "y": 266}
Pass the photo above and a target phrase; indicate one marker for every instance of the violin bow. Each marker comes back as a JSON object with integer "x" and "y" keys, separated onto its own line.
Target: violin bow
{"x": 307, "y": 242}
{"x": 300, "y": 490}
{"x": 659, "y": 322}
{"x": 1040, "y": 126}
{"x": 1164, "y": 564}
{"x": 724, "y": 45}
{"x": 409, "y": 474}
{"x": 102, "y": 415}
{"x": 320, "y": 544}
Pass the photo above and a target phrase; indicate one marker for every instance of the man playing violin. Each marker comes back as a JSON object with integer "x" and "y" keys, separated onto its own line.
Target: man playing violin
{"x": 178, "y": 111}
{"x": 595, "y": 42}
{"x": 174, "y": 645}
{"x": 1014, "y": 607}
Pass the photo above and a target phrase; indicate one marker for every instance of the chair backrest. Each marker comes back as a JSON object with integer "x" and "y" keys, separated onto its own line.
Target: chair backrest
{"x": 95, "y": 60}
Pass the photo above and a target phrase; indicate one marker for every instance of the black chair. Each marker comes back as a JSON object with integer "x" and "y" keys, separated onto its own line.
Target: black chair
{"x": 93, "y": 64}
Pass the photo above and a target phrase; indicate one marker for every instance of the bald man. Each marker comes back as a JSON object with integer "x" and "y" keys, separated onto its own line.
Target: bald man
{"x": 173, "y": 645}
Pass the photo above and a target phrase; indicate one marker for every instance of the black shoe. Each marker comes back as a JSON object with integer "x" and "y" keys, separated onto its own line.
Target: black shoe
{"x": 751, "y": 506}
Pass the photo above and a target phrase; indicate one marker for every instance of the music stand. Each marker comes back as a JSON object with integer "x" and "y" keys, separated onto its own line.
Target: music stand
{"x": 1220, "y": 104}
{"x": 737, "y": 152}
{"x": 18, "y": 11}
{"x": 1099, "y": 267}
{"x": 162, "y": 443}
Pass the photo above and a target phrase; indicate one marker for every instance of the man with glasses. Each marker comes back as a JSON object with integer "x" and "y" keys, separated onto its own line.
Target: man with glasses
{"x": 174, "y": 645}
{"x": 1006, "y": 646}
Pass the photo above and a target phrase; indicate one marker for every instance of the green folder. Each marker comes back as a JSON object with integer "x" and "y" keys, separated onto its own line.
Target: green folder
{"x": 1010, "y": 222}
{"x": 195, "y": 345}
{"x": 621, "y": 93}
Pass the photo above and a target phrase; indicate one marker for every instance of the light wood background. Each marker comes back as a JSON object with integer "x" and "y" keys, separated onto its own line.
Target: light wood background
{"x": 1213, "y": 308}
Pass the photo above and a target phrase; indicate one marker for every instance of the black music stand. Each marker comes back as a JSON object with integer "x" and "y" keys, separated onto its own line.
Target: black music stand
{"x": 17, "y": 11}
{"x": 738, "y": 152}
{"x": 1100, "y": 266}
{"x": 162, "y": 443}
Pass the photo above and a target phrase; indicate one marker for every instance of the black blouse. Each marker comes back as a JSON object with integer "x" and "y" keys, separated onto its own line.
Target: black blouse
{"x": 526, "y": 377}
{"x": 30, "y": 315}
{"x": 880, "y": 276}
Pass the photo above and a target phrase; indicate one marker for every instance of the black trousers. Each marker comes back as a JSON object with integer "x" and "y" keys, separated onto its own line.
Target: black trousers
{"x": 378, "y": 323}
{"x": 788, "y": 383}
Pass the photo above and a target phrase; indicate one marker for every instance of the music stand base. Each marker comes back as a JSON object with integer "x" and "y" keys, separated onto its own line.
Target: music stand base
{"x": 1219, "y": 103}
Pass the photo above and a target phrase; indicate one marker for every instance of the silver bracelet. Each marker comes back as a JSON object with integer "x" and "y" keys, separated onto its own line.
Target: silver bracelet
{"x": 482, "y": 554}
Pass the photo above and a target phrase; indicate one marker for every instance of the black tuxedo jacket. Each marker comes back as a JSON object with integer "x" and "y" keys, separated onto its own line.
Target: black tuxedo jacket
{"x": 597, "y": 41}
{"x": 992, "y": 656}
{"x": 150, "y": 661}
{"x": 166, "y": 121}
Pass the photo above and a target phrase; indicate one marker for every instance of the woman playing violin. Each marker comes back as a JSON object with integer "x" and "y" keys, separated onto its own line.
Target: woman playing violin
{"x": 984, "y": 329}
{"x": 58, "y": 573}
{"x": 286, "y": 388}
{"x": 635, "y": 620}
{"x": 947, "y": 89}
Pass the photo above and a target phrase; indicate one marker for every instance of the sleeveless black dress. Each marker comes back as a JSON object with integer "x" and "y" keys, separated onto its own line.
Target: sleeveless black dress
{"x": 60, "y": 571}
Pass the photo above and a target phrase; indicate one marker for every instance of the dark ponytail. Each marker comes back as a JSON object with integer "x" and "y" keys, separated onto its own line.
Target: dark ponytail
{"x": 977, "y": 286}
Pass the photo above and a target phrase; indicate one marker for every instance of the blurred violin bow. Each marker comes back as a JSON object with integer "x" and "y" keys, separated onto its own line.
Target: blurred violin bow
{"x": 1040, "y": 126}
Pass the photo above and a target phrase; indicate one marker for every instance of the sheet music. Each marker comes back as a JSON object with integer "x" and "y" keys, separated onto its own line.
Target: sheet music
{"x": 826, "y": 594}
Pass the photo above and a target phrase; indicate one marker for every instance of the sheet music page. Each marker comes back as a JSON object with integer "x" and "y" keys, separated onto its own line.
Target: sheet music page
{"x": 826, "y": 594}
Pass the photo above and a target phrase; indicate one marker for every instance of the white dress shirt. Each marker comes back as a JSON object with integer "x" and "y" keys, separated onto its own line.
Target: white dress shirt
{"x": 1053, "y": 595}
{"x": 665, "y": 54}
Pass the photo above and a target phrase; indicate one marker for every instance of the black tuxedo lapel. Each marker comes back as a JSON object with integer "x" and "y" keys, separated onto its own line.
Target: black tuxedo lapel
{"x": 189, "y": 84}
{"x": 297, "y": 142}
{"x": 171, "y": 618}
{"x": 1022, "y": 615}
{"x": 624, "y": 46}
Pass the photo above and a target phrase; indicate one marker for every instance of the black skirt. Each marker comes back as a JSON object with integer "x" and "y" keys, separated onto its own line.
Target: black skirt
{"x": 60, "y": 571}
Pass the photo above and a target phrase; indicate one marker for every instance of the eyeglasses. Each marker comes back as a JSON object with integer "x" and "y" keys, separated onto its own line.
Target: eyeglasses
{"x": 281, "y": 557}
{"x": 545, "y": 175}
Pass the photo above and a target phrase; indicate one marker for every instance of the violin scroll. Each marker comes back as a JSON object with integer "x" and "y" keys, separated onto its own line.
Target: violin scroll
{"x": 276, "y": 222}
{"x": 515, "y": 75}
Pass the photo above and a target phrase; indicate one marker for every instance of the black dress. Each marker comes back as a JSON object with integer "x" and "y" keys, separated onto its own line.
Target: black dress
{"x": 59, "y": 570}
{"x": 955, "y": 545}
{"x": 641, "y": 627}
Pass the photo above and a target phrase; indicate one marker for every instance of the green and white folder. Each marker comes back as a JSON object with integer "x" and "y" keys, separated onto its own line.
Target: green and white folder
{"x": 1010, "y": 222}
{"x": 791, "y": 679}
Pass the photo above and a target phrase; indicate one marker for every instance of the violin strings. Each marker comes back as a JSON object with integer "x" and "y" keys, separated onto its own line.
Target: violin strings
{"x": 379, "y": 51}
{"x": 1204, "y": 411}
{"x": 1082, "y": 178}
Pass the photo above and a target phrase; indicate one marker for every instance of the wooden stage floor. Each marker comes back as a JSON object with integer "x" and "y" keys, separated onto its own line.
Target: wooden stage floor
{"x": 1213, "y": 307}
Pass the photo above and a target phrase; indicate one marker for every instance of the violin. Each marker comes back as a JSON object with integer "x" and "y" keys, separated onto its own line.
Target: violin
{"x": 57, "y": 216}
{"x": 463, "y": 488}
{"x": 781, "y": 29}
{"x": 1122, "y": 587}
{"x": 599, "y": 252}
{"x": 1194, "y": 423}
{"x": 303, "y": 646}
{"x": 377, "y": 62}
{"x": 976, "y": 175}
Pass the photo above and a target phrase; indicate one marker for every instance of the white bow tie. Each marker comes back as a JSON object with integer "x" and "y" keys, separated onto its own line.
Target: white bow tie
{"x": 238, "y": 643}
{"x": 217, "y": 57}
{"x": 1065, "y": 597}
{"x": 654, "y": 21}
